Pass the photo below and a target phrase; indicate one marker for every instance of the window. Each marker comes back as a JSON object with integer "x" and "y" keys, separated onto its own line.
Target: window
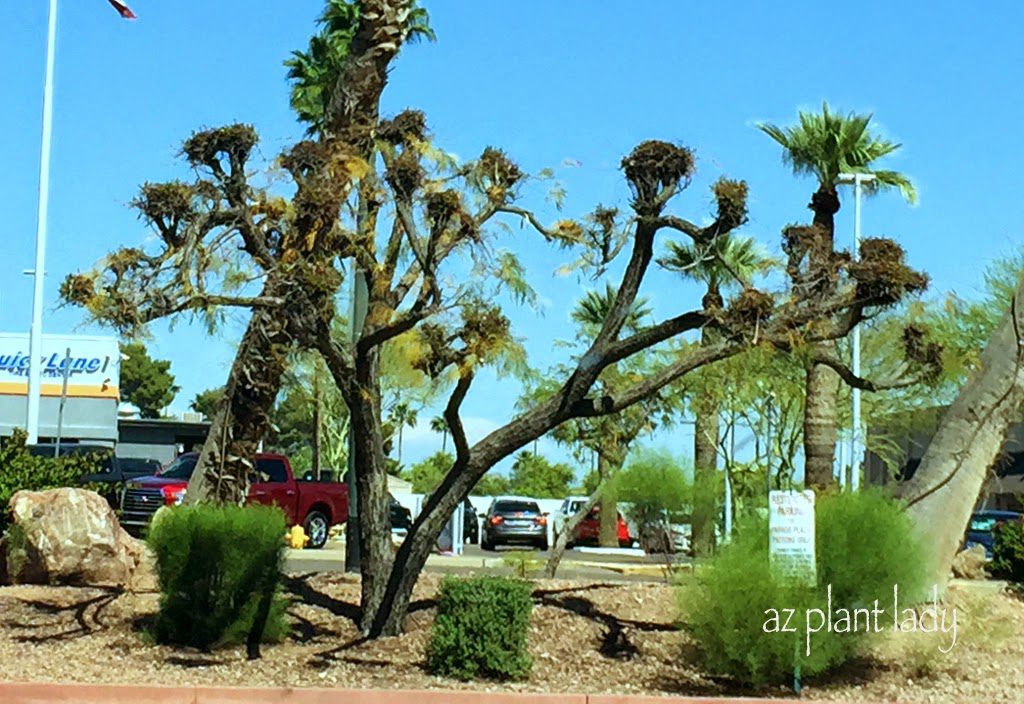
{"x": 516, "y": 507}
{"x": 271, "y": 471}
{"x": 181, "y": 468}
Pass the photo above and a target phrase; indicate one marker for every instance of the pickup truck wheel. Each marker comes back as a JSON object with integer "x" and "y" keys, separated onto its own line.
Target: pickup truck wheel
{"x": 317, "y": 527}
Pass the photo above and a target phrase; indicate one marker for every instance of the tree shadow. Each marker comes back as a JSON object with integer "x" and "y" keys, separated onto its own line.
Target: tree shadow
{"x": 85, "y": 621}
{"x": 299, "y": 587}
{"x": 194, "y": 663}
{"x": 615, "y": 642}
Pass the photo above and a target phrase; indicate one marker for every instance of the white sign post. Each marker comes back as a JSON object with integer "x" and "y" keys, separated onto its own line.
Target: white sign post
{"x": 791, "y": 535}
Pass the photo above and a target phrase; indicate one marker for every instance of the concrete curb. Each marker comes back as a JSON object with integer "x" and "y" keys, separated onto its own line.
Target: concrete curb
{"x": 52, "y": 693}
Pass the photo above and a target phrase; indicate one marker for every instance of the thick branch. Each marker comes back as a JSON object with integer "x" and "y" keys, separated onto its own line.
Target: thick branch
{"x": 454, "y": 420}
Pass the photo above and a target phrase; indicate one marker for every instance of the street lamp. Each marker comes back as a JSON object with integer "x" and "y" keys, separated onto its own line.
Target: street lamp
{"x": 857, "y": 180}
{"x": 35, "y": 340}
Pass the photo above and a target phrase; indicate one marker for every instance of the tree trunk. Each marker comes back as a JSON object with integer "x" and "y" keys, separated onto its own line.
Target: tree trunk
{"x": 705, "y": 473}
{"x": 225, "y": 462}
{"x": 946, "y": 486}
{"x": 822, "y": 390}
{"x": 372, "y": 478}
{"x": 566, "y": 532}
{"x": 608, "y": 521}
{"x": 820, "y": 427}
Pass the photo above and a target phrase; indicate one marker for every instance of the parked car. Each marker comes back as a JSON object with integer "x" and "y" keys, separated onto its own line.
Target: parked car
{"x": 401, "y": 517}
{"x": 588, "y": 532}
{"x": 315, "y": 505}
{"x": 981, "y": 528}
{"x": 512, "y": 521}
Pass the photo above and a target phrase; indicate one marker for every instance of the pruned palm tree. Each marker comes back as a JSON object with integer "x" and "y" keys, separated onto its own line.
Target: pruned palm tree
{"x": 314, "y": 73}
{"x": 727, "y": 261}
{"x": 825, "y": 145}
{"x": 439, "y": 425}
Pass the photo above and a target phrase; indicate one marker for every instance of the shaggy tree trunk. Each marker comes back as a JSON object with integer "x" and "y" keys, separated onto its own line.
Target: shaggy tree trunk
{"x": 225, "y": 462}
{"x": 946, "y": 486}
{"x": 566, "y": 532}
{"x": 372, "y": 478}
{"x": 705, "y": 468}
{"x": 821, "y": 423}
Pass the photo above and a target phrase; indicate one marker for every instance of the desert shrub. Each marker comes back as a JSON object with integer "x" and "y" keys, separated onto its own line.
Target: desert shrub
{"x": 1008, "y": 551}
{"x": 866, "y": 545}
{"x": 219, "y": 568}
{"x": 20, "y": 471}
{"x": 481, "y": 629}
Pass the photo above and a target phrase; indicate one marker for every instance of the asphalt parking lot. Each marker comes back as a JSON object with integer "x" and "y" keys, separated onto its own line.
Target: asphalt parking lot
{"x": 576, "y": 564}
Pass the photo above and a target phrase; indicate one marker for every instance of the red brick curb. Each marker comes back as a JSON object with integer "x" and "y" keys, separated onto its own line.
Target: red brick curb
{"x": 50, "y": 693}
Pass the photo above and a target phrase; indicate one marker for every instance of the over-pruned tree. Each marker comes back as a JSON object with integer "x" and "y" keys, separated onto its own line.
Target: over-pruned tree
{"x": 824, "y": 145}
{"x": 345, "y": 184}
{"x": 146, "y": 382}
{"x": 728, "y": 262}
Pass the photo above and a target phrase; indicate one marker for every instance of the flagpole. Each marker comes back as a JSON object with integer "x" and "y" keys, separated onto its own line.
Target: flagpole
{"x": 36, "y": 333}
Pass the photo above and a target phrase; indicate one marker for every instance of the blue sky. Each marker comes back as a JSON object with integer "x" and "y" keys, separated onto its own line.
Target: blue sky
{"x": 552, "y": 83}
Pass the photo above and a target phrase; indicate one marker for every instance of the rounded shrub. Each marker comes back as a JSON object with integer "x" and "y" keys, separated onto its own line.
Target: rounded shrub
{"x": 219, "y": 568}
{"x": 757, "y": 628}
{"x": 481, "y": 629}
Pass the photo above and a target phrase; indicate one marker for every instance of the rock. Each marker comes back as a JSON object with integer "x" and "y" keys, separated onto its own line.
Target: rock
{"x": 69, "y": 536}
{"x": 970, "y": 563}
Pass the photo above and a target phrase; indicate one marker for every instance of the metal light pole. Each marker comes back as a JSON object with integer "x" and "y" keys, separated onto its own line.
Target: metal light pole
{"x": 855, "y": 437}
{"x": 352, "y": 551}
{"x": 35, "y": 344}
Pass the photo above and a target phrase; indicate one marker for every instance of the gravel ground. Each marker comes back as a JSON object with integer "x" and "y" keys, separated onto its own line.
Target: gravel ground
{"x": 586, "y": 637}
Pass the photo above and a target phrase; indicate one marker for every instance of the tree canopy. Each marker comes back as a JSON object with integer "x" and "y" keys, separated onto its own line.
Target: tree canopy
{"x": 146, "y": 382}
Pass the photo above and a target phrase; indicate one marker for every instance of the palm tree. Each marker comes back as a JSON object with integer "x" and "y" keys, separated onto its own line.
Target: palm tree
{"x": 314, "y": 73}
{"x": 727, "y": 261}
{"x": 439, "y": 425}
{"x": 825, "y": 145}
{"x": 403, "y": 415}
{"x": 611, "y": 434}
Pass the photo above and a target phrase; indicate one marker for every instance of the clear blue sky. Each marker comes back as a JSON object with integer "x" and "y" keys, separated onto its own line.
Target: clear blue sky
{"x": 549, "y": 82}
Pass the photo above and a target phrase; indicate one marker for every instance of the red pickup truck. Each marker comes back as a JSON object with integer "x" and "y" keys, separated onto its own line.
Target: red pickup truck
{"x": 315, "y": 505}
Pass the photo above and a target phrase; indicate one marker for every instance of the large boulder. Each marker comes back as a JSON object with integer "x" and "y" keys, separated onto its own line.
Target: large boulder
{"x": 970, "y": 563}
{"x": 68, "y": 536}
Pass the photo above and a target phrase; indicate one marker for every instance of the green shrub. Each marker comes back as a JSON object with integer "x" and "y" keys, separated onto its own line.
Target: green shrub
{"x": 1008, "y": 551}
{"x": 219, "y": 568}
{"x": 865, "y": 546}
{"x": 21, "y": 471}
{"x": 481, "y": 629}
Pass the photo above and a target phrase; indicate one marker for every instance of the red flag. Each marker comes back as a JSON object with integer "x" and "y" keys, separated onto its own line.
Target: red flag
{"x": 122, "y": 9}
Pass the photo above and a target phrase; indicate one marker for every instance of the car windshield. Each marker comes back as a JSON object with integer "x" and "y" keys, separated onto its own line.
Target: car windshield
{"x": 516, "y": 507}
{"x": 983, "y": 525}
{"x": 180, "y": 468}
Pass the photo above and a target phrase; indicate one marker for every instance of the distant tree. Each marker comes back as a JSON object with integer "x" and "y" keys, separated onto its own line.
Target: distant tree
{"x": 206, "y": 402}
{"x": 535, "y": 476}
{"x": 439, "y": 425}
{"x": 146, "y": 382}
{"x": 492, "y": 485}
{"x": 402, "y": 416}
{"x": 657, "y": 488}
{"x": 426, "y": 476}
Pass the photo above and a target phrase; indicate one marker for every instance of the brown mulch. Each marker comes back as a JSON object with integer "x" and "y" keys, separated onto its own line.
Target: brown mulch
{"x": 585, "y": 637}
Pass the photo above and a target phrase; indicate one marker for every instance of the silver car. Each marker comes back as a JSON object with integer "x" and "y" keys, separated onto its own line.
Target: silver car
{"x": 514, "y": 522}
